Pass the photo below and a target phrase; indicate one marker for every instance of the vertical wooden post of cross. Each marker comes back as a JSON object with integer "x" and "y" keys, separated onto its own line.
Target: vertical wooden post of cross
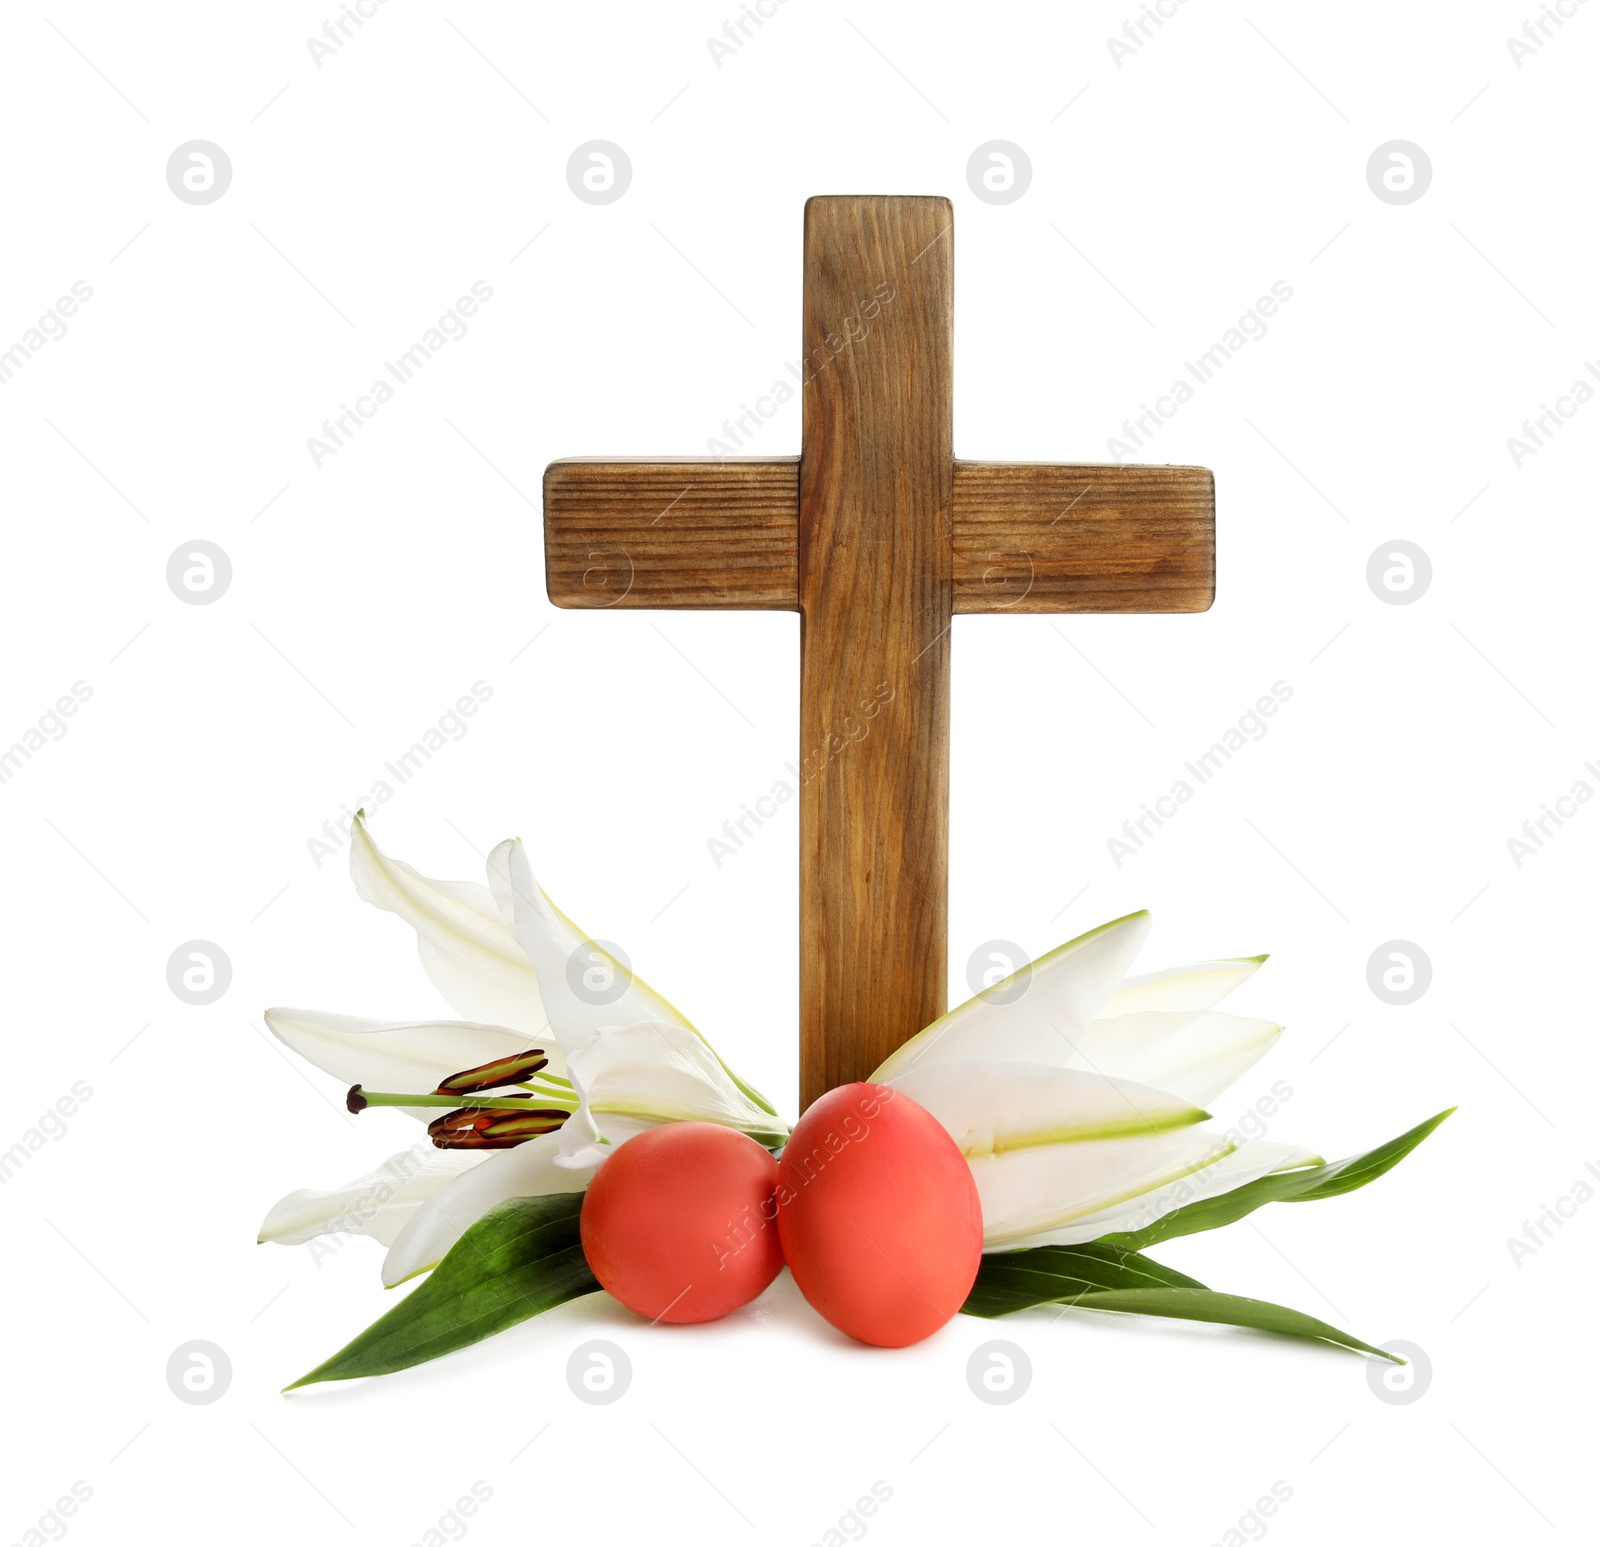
{"x": 876, "y": 478}
{"x": 877, "y": 536}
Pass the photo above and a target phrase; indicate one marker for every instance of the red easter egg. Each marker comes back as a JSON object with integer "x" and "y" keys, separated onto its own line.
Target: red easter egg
{"x": 879, "y": 1215}
{"x": 678, "y": 1223}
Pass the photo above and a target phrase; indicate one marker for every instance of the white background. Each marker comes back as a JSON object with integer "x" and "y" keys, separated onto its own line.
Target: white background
{"x": 1228, "y": 152}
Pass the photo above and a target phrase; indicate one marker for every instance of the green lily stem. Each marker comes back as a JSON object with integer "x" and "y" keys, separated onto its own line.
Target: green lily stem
{"x": 539, "y": 1087}
{"x": 383, "y": 1098}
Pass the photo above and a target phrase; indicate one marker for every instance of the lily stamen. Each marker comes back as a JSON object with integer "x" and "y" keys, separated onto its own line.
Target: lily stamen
{"x": 498, "y": 1071}
{"x": 477, "y": 1128}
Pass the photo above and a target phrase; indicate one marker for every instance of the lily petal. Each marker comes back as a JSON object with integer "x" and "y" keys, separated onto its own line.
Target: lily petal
{"x": 561, "y": 953}
{"x": 466, "y": 949}
{"x": 581, "y": 1143}
{"x": 631, "y": 1077}
{"x": 524, "y": 1172}
{"x": 1064, "y": 991}
{"x": 410, "y": 1056}
{"x": 552, "y": 942}
{"x": 1028, "y": 1193}
{"x": 1251, "y": 1160}
{"x": 377, "y": 1204}
{"x": 1197, "y": 1056}
{"x": 992, "y": 1108}
{"x": 1196, "y": 987}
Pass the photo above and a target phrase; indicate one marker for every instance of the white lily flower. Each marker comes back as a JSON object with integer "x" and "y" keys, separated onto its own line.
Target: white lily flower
{"x": 396, "y": 1055}
{"x": 378, "y": 1204}
{"x": 500, "y": 955}
{"x": 527, "y": 1171}
{"x": 1075, "y": 1093}
{"x": 629, "y": 1078}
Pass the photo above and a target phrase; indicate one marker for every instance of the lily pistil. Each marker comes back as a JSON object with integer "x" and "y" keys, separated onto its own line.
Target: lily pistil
{"x": 483, "y": 1120}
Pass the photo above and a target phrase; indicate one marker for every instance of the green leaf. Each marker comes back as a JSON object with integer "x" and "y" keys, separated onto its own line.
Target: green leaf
{"x": 1302, "y": 1186}
{"x": 522, "y": 1257}
{"x": 1230, "y": 1310}
{"x": 1012, "y": 1281}
{"x": 1098, "y": 1277}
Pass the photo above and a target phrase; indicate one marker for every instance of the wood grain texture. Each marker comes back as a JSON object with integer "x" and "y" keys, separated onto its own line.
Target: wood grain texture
{"x": 673, "y": 532}
{"x": 1045, "y": 537}
{"x": 1026, "y": 536}
{"x": 876, "y": 476}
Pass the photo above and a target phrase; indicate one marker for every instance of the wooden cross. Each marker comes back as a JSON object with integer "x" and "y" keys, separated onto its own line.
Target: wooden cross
{"x": 876, "y": 536}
